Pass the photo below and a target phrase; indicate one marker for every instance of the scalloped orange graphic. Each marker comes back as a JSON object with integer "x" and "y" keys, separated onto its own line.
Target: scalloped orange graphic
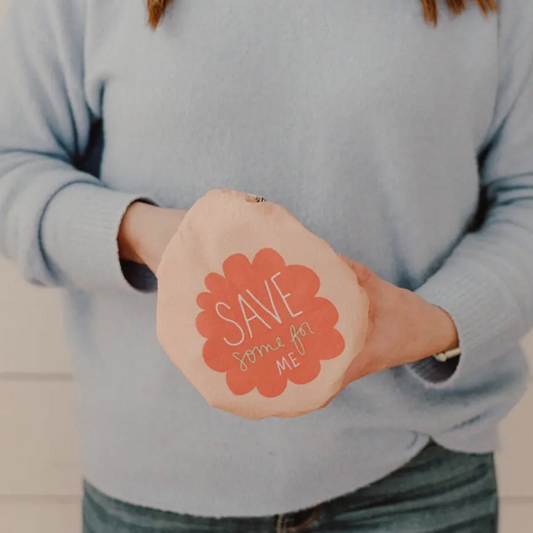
{"x": 264, "y": 324}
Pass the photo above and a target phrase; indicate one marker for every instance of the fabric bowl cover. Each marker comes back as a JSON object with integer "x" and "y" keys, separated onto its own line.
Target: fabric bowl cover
{"x": 260, "y": 314}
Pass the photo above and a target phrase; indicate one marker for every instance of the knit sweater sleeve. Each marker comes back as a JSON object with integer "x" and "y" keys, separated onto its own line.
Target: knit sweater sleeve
{"x": 58, "y": 223}
{"x": 486, "y": 284}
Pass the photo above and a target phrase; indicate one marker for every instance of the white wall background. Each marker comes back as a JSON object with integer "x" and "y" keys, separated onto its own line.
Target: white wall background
{"x": 39, "y": 475}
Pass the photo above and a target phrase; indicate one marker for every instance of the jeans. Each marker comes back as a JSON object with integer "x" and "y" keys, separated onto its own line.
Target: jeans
{"x": 439, "y": 491}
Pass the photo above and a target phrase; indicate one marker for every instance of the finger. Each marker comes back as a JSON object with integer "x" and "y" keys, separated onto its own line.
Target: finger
{"x": 367, "y": 362}
{"x": 356, "y": 370}
{"x": 324, "y": 405}
{"x": 363, "y": 273}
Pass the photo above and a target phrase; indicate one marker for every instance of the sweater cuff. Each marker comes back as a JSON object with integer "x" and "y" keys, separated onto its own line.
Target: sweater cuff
{"x": 487, "y": 319}
{"x": 78, "y": 234}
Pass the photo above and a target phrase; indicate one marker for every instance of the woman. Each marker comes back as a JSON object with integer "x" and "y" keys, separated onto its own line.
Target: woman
{"x": 406, "y": 144}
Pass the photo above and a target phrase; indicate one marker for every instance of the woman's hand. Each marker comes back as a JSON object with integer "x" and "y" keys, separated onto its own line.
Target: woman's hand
{"x": 403, "y": 327}
{"x": 145, "y": 232}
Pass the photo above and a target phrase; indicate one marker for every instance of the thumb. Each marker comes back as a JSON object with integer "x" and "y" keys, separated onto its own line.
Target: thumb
{"x": 365, "y": 276}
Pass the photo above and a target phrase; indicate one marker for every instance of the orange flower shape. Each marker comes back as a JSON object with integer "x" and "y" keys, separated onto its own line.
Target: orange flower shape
{"x": 265, "y": 325}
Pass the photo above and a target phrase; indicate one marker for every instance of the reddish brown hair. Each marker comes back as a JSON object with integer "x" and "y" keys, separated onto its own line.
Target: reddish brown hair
{"x": 157, "y": 9}
{"x": 431, "y": 11}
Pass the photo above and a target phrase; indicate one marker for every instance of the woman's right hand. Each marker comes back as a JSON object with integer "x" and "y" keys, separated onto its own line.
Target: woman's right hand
{"x": 145, "y": 232}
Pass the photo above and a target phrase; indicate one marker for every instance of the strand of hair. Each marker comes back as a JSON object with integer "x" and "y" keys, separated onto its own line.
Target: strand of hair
{"x": 156, "y": 11}
{"x": 158, "y": 8}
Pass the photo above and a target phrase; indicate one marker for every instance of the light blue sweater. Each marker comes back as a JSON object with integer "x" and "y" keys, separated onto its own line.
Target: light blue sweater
{"x": 406, "y": 147}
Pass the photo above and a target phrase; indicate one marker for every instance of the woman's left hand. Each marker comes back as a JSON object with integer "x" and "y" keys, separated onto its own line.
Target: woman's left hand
{"x": 403, "y": 327}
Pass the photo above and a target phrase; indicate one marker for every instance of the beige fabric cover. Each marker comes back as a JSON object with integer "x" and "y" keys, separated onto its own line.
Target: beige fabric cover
{"x": 261, "y": 315}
